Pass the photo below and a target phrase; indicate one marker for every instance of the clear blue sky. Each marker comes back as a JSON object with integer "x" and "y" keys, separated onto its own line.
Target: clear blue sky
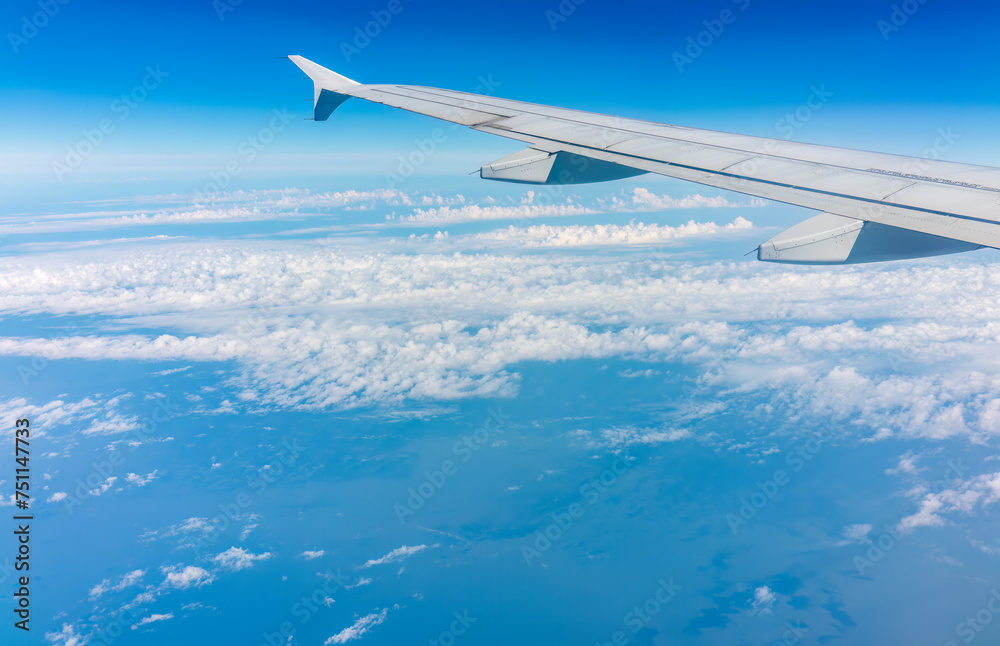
{"x": 226, "y": 75}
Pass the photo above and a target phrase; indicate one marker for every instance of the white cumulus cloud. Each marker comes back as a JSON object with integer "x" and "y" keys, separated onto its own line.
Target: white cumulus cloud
{"x": 359, "y": 628}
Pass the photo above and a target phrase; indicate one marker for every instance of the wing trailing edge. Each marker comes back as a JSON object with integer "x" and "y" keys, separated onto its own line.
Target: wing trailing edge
{"x": 829, "y": 239}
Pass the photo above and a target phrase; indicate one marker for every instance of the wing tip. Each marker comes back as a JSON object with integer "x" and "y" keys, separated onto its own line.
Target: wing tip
{"x": 324, "y": 78}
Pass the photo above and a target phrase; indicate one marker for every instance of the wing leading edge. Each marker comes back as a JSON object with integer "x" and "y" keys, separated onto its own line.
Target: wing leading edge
{"x": 874, "y": 206}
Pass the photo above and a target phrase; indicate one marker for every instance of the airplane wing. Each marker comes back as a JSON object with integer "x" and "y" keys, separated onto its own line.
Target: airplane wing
{"x": 874, "y": 206}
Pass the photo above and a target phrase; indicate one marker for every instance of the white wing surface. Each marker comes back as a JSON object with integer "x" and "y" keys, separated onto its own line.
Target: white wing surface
{"x": 873, "y": 206}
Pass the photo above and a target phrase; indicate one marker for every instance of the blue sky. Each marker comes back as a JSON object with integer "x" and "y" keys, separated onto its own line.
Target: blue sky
{"x": 226, "y": 75}
{"x": 806, "y": 446}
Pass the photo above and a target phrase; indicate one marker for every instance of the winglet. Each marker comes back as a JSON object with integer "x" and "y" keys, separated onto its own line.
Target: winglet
{"x": 330, "y": 87}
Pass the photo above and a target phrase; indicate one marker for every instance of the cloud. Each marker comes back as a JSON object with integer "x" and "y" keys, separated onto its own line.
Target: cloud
{"x": 965, "y": 497}
{"x": 312, "y": 554}
{"x": 763, "y": 600}
{"x": 126, "y": 581}
{"x": 610, "y": 234}
{"x": 152, "y": 618}
{"x": 907, "y": 465}
{"x": 141, "y": 481}
{"x": 95, "y": 414}
{"x": 187, "y": 577}
{"x": 58, "y": 496}
{"x": 236, "y": 558}
{"x": 227, "y": 207}
{"x": 104, "y": 486}
{"x": 856, "y": 534}
{"x": 66, "y": 637}
{"x": 642, "y": 199}
{"x": 619, "y": 437}
{"x": 398, "y": 554}
{"x": 359, "y": 628}
{"x": 424, "y": 326}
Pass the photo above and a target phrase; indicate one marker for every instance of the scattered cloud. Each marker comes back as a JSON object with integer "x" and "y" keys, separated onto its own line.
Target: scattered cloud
{"x": 856, "y": 534}
{"x": 398, "y": 554}
{"x": 236, "y": 558}
{"x": 126, "y": 581}
{"x": 642, "y": 199}
{"x": 187, "y": 577}
{"x": 611, "y": 234}
{"x": 66, "y": 637}
{"x": 965, "y": 497}
{"x": 151, "y": 619}
{"x": 359, "y": 628}
{"x": 357, "y": 584}
{"x": 141, "y": 481}
{"x": 763, "y": 600}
